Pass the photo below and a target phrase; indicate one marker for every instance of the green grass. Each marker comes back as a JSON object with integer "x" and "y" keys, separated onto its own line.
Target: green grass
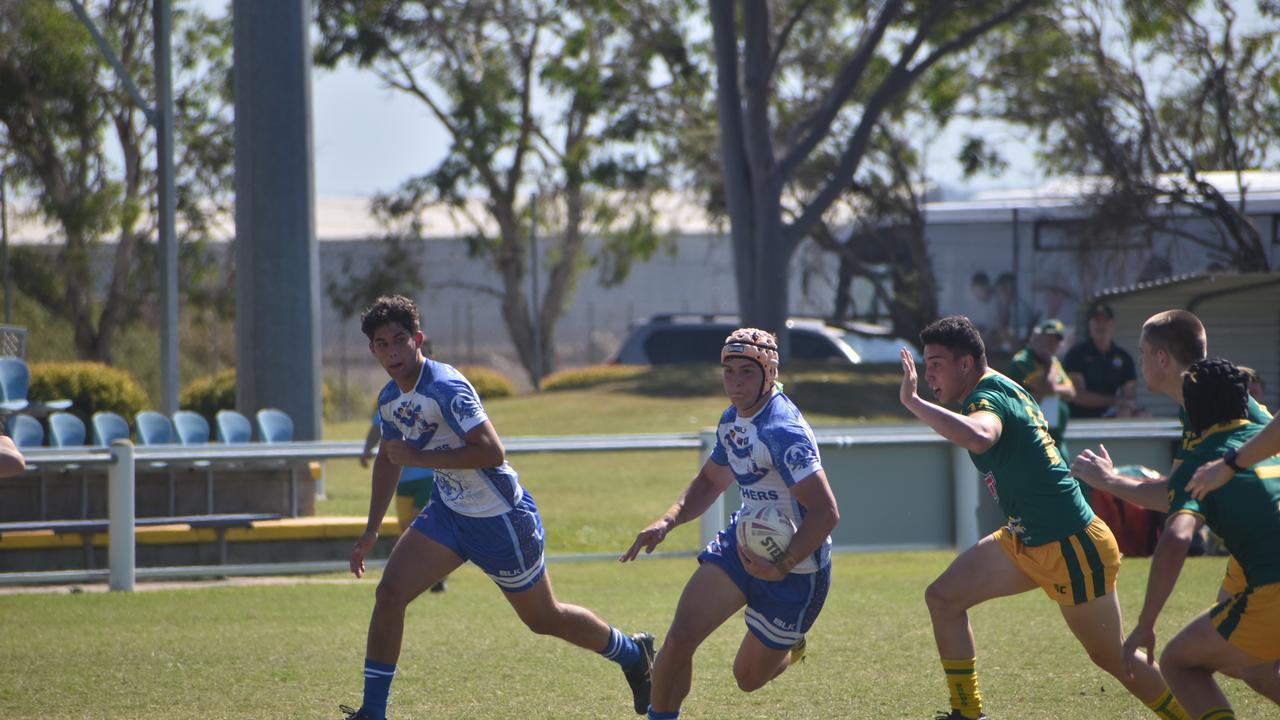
{"x": 291, "y": 651}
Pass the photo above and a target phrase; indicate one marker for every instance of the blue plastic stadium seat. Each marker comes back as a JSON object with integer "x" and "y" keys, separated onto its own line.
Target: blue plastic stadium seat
{"x": 191, "y": 427}
{"x": 108, "y": 427}
{"x": 233, "y": 427}
{"x": 25, "y": 430}
{"x": 66, "y": 430}
{"x": 274, "y": 426}
{"x": 15, "y": 380}
{"x": 153, "y": 428}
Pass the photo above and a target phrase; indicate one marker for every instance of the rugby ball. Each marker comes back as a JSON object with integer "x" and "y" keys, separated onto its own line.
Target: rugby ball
{"x": 766, "y": 532}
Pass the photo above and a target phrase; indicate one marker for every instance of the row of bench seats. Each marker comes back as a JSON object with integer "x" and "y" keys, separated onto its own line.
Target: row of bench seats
{"x": 153, "y": 428}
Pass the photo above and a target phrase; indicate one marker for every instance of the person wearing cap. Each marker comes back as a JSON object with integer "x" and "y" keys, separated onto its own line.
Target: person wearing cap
{"x": 1242, "y": 630}
{"x": 1036, "y": 367}
{"x": 765, "y": 446}
{"x": 1104, "y": 374}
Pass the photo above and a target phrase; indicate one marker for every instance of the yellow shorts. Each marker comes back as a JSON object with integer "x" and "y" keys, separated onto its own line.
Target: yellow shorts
{"x": 1073, "y": 570}
{"x": 1234, "y": 582}
{"x": 1250, "y": 621}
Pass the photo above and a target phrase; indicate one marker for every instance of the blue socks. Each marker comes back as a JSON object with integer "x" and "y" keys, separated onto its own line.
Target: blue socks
{"x": 655, "y": 715}
{"x": 377, "y": 686}
{"x": 622, "y": 649}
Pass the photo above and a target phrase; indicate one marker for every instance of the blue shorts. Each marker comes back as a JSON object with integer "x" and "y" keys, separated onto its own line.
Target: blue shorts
{"x": 507, "y": 547}
{"x": 778, "y": 613}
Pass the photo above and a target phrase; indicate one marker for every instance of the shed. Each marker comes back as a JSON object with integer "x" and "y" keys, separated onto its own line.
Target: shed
{"x": 1240, "y": 312}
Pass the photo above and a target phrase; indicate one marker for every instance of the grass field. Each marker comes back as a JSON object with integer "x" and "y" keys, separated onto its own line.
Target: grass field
{"x": 294, "y": 651}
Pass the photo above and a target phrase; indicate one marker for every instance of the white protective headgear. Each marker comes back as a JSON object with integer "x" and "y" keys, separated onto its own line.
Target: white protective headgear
{"x": 758, "y": 346}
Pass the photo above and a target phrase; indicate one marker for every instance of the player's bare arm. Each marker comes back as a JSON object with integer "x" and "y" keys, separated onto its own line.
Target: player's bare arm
{"x": 1098, "y": 471}
{"x": 11, "y": 460}
{"x": 710, "y": 483}
{"x": 482, "y": 449}
{"x": 975, "y": 433}
{"x": 385, "y": 477}
{"x": 821, "y": 516}
{"x": 1213, "y": 475}
{"x": 1166, "y": 565}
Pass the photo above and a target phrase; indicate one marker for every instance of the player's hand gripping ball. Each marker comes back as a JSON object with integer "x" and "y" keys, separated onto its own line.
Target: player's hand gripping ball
{"x": 765, "y": 532}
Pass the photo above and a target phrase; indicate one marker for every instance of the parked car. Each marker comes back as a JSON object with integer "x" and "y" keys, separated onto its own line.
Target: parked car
{"x": 688, "y": 338}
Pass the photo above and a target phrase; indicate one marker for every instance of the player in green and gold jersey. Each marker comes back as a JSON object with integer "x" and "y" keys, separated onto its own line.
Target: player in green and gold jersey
{"x": 1036, "y": 367}
{"x": 1243, "y": 630}
{"x": 1052, "y": 539}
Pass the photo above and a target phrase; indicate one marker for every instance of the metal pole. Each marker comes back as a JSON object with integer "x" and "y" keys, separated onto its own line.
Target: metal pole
{"x": 120, "y": 512}
{"x": 533, "y": 272}
{"x": 4, "y": 248}
{"x": 162, "y": 21}
{"x": 965, "y": 510}
{"x": 714, "y": 518}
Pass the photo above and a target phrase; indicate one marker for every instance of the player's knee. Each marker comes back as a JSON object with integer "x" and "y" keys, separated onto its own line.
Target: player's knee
{"x": 680, "y": 641}
{"x": 749, "y": 680}
{"x": 391, "y": 595}
{"x": 937, "y": 599}
{"x": 542, "y": 622}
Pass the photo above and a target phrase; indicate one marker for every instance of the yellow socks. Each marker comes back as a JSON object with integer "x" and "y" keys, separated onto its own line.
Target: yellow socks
{"x": 962, "y": 681}
{"x": 1219, "y": 714}
{"x": 1167, "y": 708}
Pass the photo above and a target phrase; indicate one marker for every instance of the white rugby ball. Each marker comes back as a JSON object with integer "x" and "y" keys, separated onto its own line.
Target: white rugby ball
{"x": 766, "y": 532}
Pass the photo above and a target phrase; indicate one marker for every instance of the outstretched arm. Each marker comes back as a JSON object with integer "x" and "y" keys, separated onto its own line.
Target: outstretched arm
{"x": 1097, "y": 471}
{"x": 1166, "y": 565}
{"x": 11, "y": 460}
{"x": 710, "y": 482}
{"x": 975, "y": 433}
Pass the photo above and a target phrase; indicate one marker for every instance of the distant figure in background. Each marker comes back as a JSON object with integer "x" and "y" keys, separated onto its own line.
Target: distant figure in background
{"x": 1013, "y": 316}
{"x": 1036, "y": 368}
{"x": 11, "y": 460}
{"x": 984, "y": 312}
{"x": 1257, "y": 388}
{"x": 1104, "y": 375}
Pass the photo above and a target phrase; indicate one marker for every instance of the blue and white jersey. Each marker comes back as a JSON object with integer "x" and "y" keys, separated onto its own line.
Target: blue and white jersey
{"x": 768, "y": 453}
{"x": 435, "y": 415}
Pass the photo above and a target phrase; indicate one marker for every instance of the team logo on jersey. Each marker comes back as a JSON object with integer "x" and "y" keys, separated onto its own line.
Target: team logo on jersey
{"x": 447, "y": 485}
{"x": 990, "y": 481}
{"x": 1016, "y": 527}
{"x": 416, "y": 426}
{"x": 800, "y": 456}
{"x": 739, "y": 441}
{"x": 464, "y": 406}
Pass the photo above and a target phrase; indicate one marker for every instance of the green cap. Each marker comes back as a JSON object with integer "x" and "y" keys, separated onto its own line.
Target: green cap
{"x": 1052, "y": 326}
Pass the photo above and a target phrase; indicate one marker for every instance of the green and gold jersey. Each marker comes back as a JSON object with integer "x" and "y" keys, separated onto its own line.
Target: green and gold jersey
{"x": 1245, "y": 512}
{"x": 1026, "y": 368}
{"x": 1258, "y": 413}
{"x": 1023, "y": 470}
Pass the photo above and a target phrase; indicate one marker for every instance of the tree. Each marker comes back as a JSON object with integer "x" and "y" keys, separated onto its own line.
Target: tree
{"x": 1149, "y": 97}
{"x": 565, "y": 102}
{"x": 80, "y": 146}
{"x": 800, "y": 96}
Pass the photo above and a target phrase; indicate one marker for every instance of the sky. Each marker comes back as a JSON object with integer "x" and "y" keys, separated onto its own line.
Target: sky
{"x": 369, "y": 138}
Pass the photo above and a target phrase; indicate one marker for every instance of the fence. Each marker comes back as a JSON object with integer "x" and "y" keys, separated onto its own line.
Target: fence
{"x": 898, "y": 486}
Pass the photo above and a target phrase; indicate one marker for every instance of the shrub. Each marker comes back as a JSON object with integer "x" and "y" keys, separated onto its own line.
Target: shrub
{"x": 90, "y": 386}
{"x": 590, "y": 376}
{"x": 211, "y": 393}
{"x": 489, "y": 383}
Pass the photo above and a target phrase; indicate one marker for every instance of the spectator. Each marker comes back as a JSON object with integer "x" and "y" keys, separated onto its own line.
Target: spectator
{"x": 1036, "y": 367}
{"x": 1104, "y": 375}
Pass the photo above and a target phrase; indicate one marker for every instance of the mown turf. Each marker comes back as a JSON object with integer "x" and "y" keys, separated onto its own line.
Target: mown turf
{"x": 295, "y": 651}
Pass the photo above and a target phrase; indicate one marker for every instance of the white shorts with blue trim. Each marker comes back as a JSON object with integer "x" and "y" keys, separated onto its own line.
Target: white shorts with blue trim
{"x": 507, "y": 547}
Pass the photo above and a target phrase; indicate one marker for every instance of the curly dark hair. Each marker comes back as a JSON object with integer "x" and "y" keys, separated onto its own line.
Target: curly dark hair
{"x": 1214, "y": 391}
{"x": 958, "y": 334}
{"x": 389, "y": 309}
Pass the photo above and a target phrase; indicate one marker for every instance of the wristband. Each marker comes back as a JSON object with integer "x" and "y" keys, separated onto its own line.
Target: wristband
{"x": 1229, "y": 459}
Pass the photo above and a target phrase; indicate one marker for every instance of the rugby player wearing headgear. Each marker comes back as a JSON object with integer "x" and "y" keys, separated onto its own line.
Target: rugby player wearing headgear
{"x": 764, "y": 444}
{"x": 1052, "y": 540}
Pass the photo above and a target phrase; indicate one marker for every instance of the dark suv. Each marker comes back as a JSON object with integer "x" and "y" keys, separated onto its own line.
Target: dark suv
{"x": 686, "y": 338}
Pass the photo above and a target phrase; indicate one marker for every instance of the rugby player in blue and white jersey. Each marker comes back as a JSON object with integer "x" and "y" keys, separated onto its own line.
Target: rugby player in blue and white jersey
{"x": 765, "y": 445}
{"x": 432, "y": 417}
